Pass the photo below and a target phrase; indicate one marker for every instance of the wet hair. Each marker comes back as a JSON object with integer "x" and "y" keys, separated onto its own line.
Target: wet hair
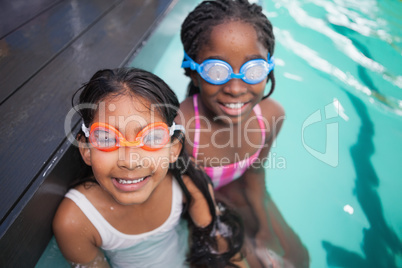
{"x": 150, "y": 88}
{"x": 198, "y": 25}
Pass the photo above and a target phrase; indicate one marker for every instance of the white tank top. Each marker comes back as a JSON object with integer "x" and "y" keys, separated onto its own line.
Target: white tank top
{"x": 164, "y": 246}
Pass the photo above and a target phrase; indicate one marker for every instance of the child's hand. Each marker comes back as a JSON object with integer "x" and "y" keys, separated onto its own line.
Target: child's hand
{"x": 198, "y": 208}
{"x": 266, "y": 240}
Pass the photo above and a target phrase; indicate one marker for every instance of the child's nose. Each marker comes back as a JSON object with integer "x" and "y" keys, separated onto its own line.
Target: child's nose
{"x": 129, "y": 158}
{"x": 235, "y": 87}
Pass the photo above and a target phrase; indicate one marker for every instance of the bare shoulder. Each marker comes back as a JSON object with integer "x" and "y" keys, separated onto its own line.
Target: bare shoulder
{"x": 71, "y": 227}
{"x": 67, "y": 218}
{"x": 185, "y": 117}
{"x": 186, "y": 111}
{"x": 271, "y": 108}
{"x": 274, "y": 115}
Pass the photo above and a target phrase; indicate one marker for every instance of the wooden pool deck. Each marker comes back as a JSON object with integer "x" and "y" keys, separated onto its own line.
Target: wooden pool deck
{"x": 48, "y": 48}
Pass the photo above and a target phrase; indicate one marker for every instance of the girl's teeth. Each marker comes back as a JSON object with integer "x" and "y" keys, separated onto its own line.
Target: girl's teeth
{"x": 234, "y": 105}
{"x": 130, "y": 181}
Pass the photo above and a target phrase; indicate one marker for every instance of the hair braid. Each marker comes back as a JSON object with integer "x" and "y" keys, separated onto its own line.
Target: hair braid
{"x": 197, "y": 27}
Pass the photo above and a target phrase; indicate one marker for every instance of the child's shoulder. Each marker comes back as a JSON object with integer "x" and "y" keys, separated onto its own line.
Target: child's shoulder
{"x": 71, "y": 227}
{"x": 69, "y": 220}
{"x": 68, "y": 216}
{"x": 68, "y": 213}
{"x": 271, "y": 108}
{"x": 186, "y": 111}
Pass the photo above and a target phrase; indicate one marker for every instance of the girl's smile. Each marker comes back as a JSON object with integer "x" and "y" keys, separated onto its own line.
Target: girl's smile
{"x": 234, "y": 109}
{"x": 130, "y": 185}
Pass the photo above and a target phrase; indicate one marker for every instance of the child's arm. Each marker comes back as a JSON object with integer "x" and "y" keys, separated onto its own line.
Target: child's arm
{"x": 254, "y": 178}
{"x": 76, "y": 237}
{"x": 257, "y": 196}
{"x": 198, "y": 208}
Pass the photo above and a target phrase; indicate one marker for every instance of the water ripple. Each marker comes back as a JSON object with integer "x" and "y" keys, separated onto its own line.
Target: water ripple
{"x": 313, "y": 59}
{"x": 361, "y": 17}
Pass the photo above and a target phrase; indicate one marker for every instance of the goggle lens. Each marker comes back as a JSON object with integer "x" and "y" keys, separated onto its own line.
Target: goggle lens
{"x": 216, "y": 72}
{"x": 103, "y": 138}
{"x": 255, "y": 72}
{"x": 155, "y": 138}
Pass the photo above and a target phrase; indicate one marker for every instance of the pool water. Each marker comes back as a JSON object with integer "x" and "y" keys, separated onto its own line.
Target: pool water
{"x": 335, "y": 169}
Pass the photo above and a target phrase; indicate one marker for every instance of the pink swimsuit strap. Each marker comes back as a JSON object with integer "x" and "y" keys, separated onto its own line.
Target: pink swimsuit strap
{"x": 223, "y": 175}
{"x": 197, "y": 127}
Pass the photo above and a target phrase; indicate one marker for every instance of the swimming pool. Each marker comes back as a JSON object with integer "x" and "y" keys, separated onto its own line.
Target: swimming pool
{"x": 334, "y": 171}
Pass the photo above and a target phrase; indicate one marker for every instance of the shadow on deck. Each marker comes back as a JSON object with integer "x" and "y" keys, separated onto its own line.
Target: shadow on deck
{"x": 48, "y": 48}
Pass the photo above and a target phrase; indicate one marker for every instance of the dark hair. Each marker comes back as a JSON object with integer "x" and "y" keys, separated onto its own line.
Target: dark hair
{"x": 149, "y": 87}
{"x": 197, "y": 27}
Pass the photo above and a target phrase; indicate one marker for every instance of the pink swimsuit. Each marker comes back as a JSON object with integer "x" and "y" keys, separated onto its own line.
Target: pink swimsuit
{"x": 223, "y": 175}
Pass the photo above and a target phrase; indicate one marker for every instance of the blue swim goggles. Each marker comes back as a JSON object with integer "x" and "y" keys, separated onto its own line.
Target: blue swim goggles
{"x": 218, "y": 72}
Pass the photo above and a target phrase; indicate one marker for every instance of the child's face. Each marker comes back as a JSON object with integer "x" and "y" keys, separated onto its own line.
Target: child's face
{"x": 236, "y": 43}
{"x": 129, "y": 174}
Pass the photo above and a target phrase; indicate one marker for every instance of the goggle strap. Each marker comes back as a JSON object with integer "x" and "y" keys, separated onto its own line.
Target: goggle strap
{"x": 85, "y": 130}
{"x": 271, "y": 62}
{"x": 187, "y": 62}
{"x": 190, "y": 63}
{"x": 175, "y": 127}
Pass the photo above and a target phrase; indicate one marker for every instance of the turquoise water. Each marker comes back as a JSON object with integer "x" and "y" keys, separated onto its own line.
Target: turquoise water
{"x": 335, "y": 170}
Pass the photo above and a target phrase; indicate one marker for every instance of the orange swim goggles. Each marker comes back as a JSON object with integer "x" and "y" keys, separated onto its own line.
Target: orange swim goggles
{"x": 107, "y": 138}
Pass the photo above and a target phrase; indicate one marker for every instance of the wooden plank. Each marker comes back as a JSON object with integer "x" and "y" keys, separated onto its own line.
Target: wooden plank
{"x": 27, "y": 50}
{"x": 17, "y": 12}
{"x": 34, "y": 116}
{"x": 31, "y": 231}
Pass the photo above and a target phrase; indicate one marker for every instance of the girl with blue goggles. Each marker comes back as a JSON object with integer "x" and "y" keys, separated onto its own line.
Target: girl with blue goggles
{"x": 218, "y": 72}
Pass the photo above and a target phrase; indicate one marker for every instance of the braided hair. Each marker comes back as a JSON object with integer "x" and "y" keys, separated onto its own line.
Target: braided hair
{"x": 197, "y": 27}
